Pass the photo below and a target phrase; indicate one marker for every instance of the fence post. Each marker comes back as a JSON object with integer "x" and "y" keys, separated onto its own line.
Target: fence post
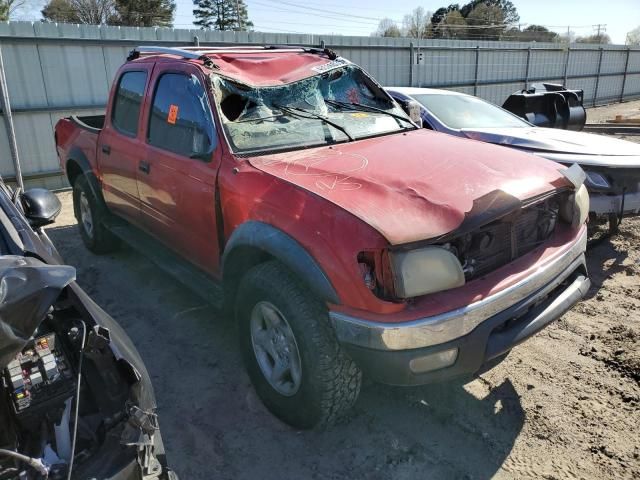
{"x": 595, "y": 94}
{"x": 419, "y": 66}
{"x": 526, "y": 75}
{"x": 566, "y": 66}
{"x": 5, "y": 103}
{"x": 411, "y": 57}
{"x": 624, "y": 77}
{"x": 475, "y": 77}
{"x": 196, "y": 41}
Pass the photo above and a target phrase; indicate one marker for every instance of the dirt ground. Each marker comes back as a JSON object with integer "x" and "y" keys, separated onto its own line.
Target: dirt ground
{"x": 564, "y": 405}
{"x": 609, "y": 112}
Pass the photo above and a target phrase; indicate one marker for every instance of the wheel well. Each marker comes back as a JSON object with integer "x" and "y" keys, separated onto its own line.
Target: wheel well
{"x": 73, "y": 171}
{"x": 240, "y": 261}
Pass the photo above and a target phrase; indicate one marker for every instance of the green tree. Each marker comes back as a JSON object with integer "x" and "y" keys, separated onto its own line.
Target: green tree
{"x": 486, "y": 22}
{"x": 4, "y": 12}
{"x": 452, "y": 26}
{"x": 387, "y": 28}
{"x": 439, "y": 15}
{"x": 222, "y": 15}
{"x": 60, "y": 11}
{"x": 538, "y": 33}
{"x": 508, "y": 9}
{"x": 145, "y": 13}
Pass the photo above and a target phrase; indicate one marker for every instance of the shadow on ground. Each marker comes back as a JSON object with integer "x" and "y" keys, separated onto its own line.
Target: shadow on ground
{"x": 215, "y": 427}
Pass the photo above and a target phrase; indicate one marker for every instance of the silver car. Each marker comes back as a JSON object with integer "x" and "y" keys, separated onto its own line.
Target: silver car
{"x": 612, "y": 165}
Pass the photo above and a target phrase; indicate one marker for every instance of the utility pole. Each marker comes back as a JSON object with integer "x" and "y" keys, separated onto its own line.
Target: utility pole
{"x": 599, "y": 27}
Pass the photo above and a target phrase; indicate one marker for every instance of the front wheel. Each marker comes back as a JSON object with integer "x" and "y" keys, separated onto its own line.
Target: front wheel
{"x": 292, "y": 356}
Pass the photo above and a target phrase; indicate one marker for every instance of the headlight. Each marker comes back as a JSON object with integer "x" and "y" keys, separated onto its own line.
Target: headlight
{"x": 425, "y": 270}
{"x": 596, "y": 180}
{"x": 576, "y": 209}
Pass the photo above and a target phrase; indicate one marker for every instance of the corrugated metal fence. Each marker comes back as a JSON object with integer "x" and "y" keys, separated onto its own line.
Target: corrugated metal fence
{"x": 58, "y": 70}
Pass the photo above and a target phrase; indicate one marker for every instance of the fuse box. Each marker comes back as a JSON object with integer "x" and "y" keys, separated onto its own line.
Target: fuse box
{"x": 39, "y": 379}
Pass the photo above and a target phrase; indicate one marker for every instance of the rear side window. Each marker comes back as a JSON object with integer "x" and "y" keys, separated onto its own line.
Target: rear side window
{"x": 126, "y": 106}
{"x": 181, "y": 119}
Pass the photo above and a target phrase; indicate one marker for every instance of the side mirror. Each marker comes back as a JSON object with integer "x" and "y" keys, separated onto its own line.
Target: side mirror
{"x": 41, "y": 207}
{"x": 414, "y": 110}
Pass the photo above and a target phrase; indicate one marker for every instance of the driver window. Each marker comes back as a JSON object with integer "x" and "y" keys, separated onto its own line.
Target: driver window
{"x": 181, "y": 119}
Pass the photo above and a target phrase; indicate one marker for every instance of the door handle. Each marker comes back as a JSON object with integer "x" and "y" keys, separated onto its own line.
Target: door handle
{"x": 106, "y": 149}
{"x": 144, "y": 167}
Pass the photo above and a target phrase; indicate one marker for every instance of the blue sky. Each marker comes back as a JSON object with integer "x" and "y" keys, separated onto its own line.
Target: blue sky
{"x": 359, "y": 17}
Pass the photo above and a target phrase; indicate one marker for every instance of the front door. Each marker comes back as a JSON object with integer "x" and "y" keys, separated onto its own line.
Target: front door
{"x": 177, "y": 177}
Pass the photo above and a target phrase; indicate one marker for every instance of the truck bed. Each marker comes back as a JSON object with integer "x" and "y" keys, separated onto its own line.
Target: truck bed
{"x": 91, "y": 122}
{"x": 79, "y": 134}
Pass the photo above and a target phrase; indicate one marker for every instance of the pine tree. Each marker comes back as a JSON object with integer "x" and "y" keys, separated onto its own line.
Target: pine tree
{"x": 222, "y": 15}
{"x": 146, "y": 13}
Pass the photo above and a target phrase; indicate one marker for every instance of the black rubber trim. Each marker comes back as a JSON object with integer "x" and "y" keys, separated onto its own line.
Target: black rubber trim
{"x": 285, "y": 249}
{"x": 77, "y": 155}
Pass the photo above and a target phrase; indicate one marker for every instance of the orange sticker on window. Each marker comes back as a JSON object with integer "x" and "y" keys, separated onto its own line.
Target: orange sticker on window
{"x": 173, "y": 114}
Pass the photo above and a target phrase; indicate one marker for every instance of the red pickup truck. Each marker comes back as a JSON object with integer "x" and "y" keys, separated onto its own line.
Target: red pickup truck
{"x": 345, "y": 239}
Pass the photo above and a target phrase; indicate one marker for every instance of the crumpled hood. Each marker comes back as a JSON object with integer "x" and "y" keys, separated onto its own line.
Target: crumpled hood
{"x": 412, "y": 186}
{"x": 556, "y": 141}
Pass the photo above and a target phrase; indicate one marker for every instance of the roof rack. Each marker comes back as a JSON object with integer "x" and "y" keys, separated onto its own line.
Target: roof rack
{"x": 143, "y": 50}
{"x": 199, "y": 52}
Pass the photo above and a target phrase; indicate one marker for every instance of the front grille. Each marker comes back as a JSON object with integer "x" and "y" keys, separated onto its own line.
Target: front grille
{"x": 502, "y": 241}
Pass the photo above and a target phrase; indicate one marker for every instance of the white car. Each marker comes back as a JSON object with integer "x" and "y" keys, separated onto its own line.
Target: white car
{"x": 612, "y": 165}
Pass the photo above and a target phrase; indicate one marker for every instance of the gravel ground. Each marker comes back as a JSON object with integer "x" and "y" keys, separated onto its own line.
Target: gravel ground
{"x": 564, "y": 405}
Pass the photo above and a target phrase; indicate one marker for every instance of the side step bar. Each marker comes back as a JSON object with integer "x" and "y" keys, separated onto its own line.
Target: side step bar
{"x": 190, "y": 276}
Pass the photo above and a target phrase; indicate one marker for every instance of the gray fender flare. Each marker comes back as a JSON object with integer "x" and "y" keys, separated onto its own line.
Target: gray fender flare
{"x": 284, "y": 248}
{"x": 77, "y": 156}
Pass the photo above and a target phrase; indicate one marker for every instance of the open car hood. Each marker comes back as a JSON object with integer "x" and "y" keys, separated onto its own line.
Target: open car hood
{"x": 417, "y": 185}
{"x": 557, "y": 141}
{"x": 28, "y": 288}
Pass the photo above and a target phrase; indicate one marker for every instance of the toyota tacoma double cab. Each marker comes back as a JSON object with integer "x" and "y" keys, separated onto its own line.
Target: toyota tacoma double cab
{"x": 343, "y": 238}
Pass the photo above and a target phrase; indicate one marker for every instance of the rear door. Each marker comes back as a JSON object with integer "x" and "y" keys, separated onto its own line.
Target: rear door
{"x": 120, "y": 143}
{"x": 177, "y": 178}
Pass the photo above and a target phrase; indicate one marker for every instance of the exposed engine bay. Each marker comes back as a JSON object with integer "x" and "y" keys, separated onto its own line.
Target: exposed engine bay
{"x": 502, "y": 241}
{"x": 69, "y": 402}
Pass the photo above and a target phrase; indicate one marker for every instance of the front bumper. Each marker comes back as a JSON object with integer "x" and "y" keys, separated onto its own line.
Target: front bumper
{"x": 603, "y": 204}
{"x": 481, "y": 332}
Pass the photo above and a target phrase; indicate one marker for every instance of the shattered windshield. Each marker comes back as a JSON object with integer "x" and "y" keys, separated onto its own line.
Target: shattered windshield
{"x": 337, "y": 106}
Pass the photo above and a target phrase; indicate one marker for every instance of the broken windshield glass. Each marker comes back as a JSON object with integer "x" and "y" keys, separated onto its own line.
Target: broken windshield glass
{"x": 306, "y": 113}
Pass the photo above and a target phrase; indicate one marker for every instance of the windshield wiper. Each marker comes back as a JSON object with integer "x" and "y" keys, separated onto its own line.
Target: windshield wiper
{"x": 301, "y": 112}
{"x": 360, "y": 106}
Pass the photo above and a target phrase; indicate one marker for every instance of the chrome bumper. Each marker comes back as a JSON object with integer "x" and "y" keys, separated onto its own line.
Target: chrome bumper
{"x": 603, "y": 204}
{"x": 451, "y": 325}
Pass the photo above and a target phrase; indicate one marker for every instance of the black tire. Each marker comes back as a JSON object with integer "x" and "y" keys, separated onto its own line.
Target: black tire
{"x": 97, "y": 239}
{"x": 329, "y": 380}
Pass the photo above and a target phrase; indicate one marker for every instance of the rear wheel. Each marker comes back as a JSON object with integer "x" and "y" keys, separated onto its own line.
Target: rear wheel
{"x": 91, "y": 216}
{"x": 292, "y": 356}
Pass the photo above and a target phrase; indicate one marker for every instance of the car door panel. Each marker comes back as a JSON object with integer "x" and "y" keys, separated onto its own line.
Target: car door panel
{"x": 177, "y": 193}
{"x": 119, "y": 145}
